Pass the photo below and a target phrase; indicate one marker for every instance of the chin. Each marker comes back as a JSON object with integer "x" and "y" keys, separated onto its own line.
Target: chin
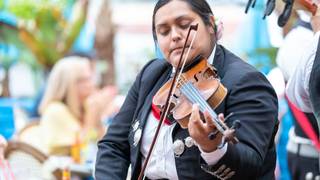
{"x": 173, "y": 61}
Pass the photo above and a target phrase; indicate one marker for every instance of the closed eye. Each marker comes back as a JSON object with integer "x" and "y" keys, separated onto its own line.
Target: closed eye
{"x": 164, "y": 31}
{"x": 185, "y": 24}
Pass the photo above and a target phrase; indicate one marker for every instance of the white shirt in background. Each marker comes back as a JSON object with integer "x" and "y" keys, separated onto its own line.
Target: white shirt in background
{"x": 298, "y": 86}
{"x": 292, "y": 49}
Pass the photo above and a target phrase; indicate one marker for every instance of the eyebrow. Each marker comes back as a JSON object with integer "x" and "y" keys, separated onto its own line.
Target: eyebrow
{"x": 179, "y": 18}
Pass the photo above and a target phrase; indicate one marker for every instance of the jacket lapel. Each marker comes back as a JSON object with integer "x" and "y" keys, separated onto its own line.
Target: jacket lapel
{"x": 218, "y": 61}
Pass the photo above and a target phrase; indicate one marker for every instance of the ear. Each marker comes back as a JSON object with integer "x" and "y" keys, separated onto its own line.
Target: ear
{"x": 213, "y": 27}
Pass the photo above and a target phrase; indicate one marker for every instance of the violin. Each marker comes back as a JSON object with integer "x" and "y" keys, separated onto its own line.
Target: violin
{"x": 196, "y": 83}
{"x": 199, "y": 84}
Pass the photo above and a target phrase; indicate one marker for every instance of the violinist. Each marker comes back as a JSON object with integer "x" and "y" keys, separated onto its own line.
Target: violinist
{"x": 303, "y": 92}
{"x": 187, "y": 152}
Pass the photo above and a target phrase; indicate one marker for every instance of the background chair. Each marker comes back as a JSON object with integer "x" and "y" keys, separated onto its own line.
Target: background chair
{"x": 30, "y": 134}
{"x": 27, "y": 162}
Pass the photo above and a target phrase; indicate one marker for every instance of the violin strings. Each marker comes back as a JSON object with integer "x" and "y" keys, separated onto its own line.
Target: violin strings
{"x": 205, "y": 106}
{"x": 197, "y": 98}
{"x": 196, "y": 94}
{"x": 211, "y": 111}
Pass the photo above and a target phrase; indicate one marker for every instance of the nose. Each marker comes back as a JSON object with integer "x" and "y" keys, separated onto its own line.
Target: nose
{"x": 176, "y": 35}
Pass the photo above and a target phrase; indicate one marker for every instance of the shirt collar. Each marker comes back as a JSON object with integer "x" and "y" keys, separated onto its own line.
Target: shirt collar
{"x": 213, "y": 53}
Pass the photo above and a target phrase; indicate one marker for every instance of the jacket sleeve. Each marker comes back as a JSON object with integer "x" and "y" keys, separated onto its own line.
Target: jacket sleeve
{"x": 113, "y": 156}
{"x": 253, "y": 102}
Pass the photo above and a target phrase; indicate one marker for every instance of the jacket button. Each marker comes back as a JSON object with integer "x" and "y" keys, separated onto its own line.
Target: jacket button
{"x": 178, "y": 147}
{"x": 137, "y": 136}
{"x": 189, "y": 142}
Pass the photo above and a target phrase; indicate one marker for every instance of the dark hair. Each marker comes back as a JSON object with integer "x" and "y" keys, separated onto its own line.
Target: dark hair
{"x": 201, "y": 7}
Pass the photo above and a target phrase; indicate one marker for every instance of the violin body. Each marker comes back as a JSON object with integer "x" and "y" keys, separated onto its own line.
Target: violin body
{"x": 204, "y": 78}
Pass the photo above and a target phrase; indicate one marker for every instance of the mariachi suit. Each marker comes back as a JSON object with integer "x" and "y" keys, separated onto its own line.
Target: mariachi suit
{"x": 314, "y": 84}
{"x": 250, "y": 97}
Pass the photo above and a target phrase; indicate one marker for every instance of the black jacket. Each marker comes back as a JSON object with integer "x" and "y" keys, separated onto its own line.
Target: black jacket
{"x": 314, "y": 84}
{"x": 250, "y": 97}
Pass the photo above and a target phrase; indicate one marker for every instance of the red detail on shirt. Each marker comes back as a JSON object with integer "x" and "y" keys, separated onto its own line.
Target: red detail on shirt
{"x": 305, "y": 124}
{"x": 156, "y": 113}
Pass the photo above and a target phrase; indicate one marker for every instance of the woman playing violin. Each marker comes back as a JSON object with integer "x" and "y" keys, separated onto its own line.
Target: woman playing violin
{"x": 188, "y": 152}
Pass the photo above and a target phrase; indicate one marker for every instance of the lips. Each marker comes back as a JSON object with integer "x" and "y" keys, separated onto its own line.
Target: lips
{"x": 178, "y": 49}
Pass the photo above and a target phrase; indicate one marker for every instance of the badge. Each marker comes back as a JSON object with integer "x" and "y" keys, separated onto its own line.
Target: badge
{"x": 135, "y": 126}
{"x": 137, "y": 136}
{"x": 309, "y": 176}
{"x": 189, "y": 142}
{"x": 178, "y": 147}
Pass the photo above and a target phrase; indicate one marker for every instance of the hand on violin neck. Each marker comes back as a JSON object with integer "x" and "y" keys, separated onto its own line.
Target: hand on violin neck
{"x": 199, "y": 130}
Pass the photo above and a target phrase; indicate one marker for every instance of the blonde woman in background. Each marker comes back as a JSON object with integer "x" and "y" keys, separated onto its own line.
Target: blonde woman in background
{"x": 71, "y": 107}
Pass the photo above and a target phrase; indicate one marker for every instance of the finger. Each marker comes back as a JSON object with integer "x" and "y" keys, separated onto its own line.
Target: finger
{"x": 195, "y": 122}
{"x": 221, "y": 117}
{"x": 208, "y": 119}
{"x": 195, "y": 115}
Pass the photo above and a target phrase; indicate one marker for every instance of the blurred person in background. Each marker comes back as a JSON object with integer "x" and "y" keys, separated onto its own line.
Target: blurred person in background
{"x": 303, "y": 146}
{"x": 34, "y": 114}
{"x": 182, "y": 153}
{"x": 294, "y": 44}
{"x": 314, "y": 81}
{"x": 288, "y": 57}
{"x": 71, "y": 107}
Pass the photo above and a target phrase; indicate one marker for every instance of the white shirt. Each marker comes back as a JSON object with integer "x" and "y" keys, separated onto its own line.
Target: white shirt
{"x": 292, "y": 49}
{"x": 162, "y": 161}
{"x": 298, "y": 85}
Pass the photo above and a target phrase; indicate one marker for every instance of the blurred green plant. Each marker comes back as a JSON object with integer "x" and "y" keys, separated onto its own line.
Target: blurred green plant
{"x": 1, "y": 4}
{"x": 43, "y": 28}
{"x": 42, "y": 32}
{"x": 9, "y": 37}
{"x": 270, "y": 52}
